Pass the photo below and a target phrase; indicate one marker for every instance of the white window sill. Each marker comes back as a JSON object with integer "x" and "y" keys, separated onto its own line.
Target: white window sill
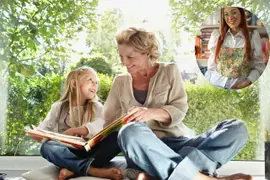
{"x": 25, "y": 163}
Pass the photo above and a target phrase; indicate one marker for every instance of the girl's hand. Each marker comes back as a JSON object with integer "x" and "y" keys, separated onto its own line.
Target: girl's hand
{"x": 79, "y": 131}
{"x": 71, "y": 132}
{"x": 241, "y": 85}
{"x": 38, "y": 139}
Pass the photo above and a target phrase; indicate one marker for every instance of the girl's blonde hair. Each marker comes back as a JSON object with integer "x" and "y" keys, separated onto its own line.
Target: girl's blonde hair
{"x": 142, "y": 40}
{"x": 72, "y": 94}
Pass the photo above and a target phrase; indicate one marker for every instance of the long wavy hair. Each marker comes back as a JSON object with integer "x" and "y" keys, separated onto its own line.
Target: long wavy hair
{"x": 72, "y": 94}
{"x": 243, "y": 27}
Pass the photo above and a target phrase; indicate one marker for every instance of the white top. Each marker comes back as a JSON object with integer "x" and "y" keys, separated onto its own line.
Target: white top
{"x": 58, "y": 119}
{"x": 235, "y": 41}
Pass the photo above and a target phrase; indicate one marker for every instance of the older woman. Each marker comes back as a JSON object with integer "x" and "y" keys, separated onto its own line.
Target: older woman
{"x": 156, "y": 140}
{"x": 236, "y": 58}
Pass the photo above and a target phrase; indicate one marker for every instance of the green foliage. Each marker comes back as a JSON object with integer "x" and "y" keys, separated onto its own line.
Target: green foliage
{"x": 35, "y": 34}
{"x": 209, "y": 105}
{"x": 101, "y": 39}
{"x": 105, "y": 85}
{"x": 167, "y": 48}
{"x": 190, "y": 14}
{"x": 29, "y": 100}
{"x": 34, "y": 41}
{"x": 98, "y": 62}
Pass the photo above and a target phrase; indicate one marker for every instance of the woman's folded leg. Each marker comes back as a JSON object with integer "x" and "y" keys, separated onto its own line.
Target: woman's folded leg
{"x": 184, "y": 158}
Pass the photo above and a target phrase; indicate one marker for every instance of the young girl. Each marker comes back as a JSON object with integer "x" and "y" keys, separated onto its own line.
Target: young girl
{"x": 78, "y": 113}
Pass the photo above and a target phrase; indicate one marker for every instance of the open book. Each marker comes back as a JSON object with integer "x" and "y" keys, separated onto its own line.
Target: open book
{"x": 79, "y": 142}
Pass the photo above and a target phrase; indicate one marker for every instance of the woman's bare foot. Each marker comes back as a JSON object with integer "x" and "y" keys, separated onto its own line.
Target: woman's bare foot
{"x": 238, "y": 176}
{"x": 65, "y": 174}
{"x": 111, "y": 173}
{"x": 145, "y": 176}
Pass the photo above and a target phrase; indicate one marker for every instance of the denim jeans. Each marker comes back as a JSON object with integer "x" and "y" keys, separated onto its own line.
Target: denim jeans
{"x": 78, "y": 161}
{"x": 182, "y": 158}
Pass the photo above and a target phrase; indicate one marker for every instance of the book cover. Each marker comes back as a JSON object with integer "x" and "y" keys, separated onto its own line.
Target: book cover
{"x": 79, "y": 142}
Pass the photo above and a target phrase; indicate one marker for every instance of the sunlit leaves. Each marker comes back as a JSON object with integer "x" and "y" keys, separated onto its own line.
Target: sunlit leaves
{"x": 190, "y": 14}
{"x": 101, "y": 39}
{"x": 34, "y": 43}
{"x": 209, "y": 105}
{"x": 98, "y": 62}
{"x": 39, "y": 29}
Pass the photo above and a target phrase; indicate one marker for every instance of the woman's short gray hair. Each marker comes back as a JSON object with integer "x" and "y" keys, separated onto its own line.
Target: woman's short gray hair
{"x": 142, "y": 40}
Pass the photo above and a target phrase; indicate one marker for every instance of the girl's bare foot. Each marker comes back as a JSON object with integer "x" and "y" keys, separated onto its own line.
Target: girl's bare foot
{"x": 111, "y": 173}
{"x": 145, "y": 176}
{"x": 65, "y": 174}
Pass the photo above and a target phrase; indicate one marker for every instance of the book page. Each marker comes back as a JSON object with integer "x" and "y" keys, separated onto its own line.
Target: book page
{"x": 59, "y": 135}
{"x": 114, "y": 126}
{"x": 56, "y": 136}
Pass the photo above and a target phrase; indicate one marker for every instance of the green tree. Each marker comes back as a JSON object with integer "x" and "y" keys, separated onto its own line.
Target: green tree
{"x": 98, "y": 62}
{"x": 34, "y": 41}
{"x": 191, "y": 13}
{"x": 167, "y": 48}
{"x": 105, "y": 86}
{"x": 35, "y": 33}
{"x": 101, "y": 39}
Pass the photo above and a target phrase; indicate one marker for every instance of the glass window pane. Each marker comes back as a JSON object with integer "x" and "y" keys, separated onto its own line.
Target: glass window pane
{"x": 37, "y": 49}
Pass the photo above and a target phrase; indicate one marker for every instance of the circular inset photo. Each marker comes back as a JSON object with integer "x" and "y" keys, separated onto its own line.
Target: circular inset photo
{"x": 232, "y": 48}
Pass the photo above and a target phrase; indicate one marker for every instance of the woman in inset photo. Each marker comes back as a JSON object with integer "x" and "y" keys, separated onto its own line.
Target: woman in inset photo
{"x": 236, "y": 59}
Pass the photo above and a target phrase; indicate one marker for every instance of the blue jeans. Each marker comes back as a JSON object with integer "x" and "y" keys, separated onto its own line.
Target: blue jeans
{"x": 182, "y": 158}
{"x": 79, "y": 161}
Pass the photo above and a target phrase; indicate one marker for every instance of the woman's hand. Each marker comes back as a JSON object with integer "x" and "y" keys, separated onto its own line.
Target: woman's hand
{"x": 142, "y": 114}
{"x": 79, "y": 131}
{"x": 241, "y": 85}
